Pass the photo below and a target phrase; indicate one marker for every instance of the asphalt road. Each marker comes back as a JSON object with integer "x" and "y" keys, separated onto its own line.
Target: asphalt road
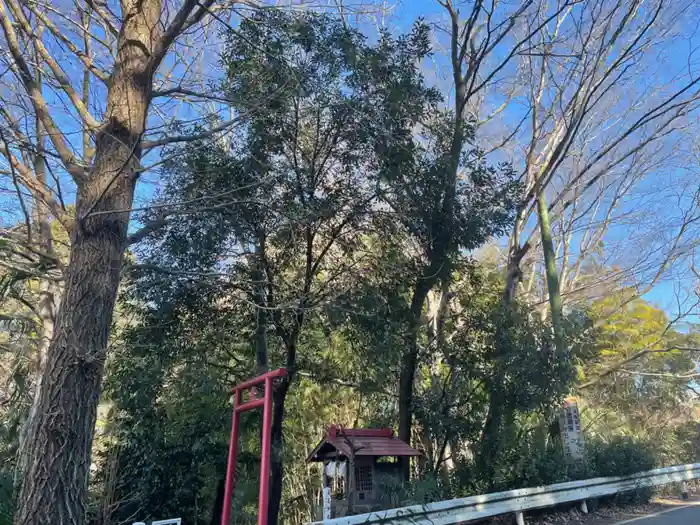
{"x": 689, "y": 515}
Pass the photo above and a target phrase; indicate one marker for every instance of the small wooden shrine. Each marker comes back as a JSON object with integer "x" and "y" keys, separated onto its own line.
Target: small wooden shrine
{"x": 371, "y": 454}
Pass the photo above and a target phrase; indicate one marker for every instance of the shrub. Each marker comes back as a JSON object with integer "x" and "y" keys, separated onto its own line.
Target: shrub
{"x": 532, "y": 465}
{"x": 6, "y": 501}
{"x": 395, "y": 493}
{"x": 620, "y": 456}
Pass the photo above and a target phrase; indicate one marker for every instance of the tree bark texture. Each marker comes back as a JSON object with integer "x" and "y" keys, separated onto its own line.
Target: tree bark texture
{"x": 60, "y": 440}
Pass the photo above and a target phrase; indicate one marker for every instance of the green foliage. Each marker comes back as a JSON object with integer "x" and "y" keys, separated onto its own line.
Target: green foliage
{"x": 6, "y": 498}
{"x": 397, "y": 493}
{"x": 647, "y": 398}
{"x": 621, "y": 456}
{"x": 536, "y": 459}
{"x": 497, "y": 355}
{"x": 299, "y": 239}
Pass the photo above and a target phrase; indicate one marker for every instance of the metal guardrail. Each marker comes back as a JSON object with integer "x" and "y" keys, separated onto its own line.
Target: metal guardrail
{"x": 463, "y": 510}
{"x": 172, "y": 521}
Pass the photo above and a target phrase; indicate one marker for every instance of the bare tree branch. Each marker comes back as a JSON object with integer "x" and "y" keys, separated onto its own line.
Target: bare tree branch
{"x": 40, "y": 106}
{"x": 84, "y": 58}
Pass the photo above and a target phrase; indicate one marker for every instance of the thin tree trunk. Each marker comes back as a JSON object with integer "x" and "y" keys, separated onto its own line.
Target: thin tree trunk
{"x": 516, "y": 253}
{"x": 46, "y": 308}
{"x": 409, "y": 362}
{"x": 491, "y": 436}
{"x": 218, "y": 506}
{"x": 439, "y": 268}
{"x": 352, "y": 481}
{"x": 59, "y": 444}
{"x": 260, "y": 337}
{"x": 277, "y": 463}
{"x": 490, "y": 445}
{"x": 438, "y": 257}
{"x": 551, "y": 272}
{"x": 282, "y": 389}
{"x": 446, "y": 465}
{"x": 438, "y": 303}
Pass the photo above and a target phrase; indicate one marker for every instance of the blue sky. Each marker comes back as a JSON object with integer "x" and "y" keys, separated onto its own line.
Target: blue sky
{"x": 400, "y": 19}
{"x": 658, "y": 193}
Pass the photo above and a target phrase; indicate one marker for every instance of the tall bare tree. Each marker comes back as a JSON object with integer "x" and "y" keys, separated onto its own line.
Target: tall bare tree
{"x": 483, "y": 41}
{"x": 593, "y": 123}
{"x": 89, "y": 138}
{"x": 592, "y": 119}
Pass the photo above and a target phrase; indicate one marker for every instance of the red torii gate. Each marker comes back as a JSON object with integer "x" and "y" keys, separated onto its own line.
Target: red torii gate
{"x": 240, "y": 406}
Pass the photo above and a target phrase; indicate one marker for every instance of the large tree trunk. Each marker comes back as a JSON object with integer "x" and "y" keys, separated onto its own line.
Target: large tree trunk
{"x": 60, "y": 440}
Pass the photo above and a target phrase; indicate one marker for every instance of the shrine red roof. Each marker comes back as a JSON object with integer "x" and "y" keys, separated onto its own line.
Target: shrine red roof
{"x": 366, "y": 442}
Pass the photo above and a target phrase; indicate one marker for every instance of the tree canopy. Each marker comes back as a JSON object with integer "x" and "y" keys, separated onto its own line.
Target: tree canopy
{"x": 417, "y": 225}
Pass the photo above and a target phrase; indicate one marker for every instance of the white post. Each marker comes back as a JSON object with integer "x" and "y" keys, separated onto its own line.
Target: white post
{"x": 584, "y": 507}
{"x": 684, "y": 490}
{"x": 326, "y": 503}
{"x": 519, "y": 518}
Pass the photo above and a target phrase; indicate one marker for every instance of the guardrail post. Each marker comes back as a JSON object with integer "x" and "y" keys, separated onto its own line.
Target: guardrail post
{"x": 519, "y": 518}
{"x": 584, "y": 507}
{"x": 684, "y": 489}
